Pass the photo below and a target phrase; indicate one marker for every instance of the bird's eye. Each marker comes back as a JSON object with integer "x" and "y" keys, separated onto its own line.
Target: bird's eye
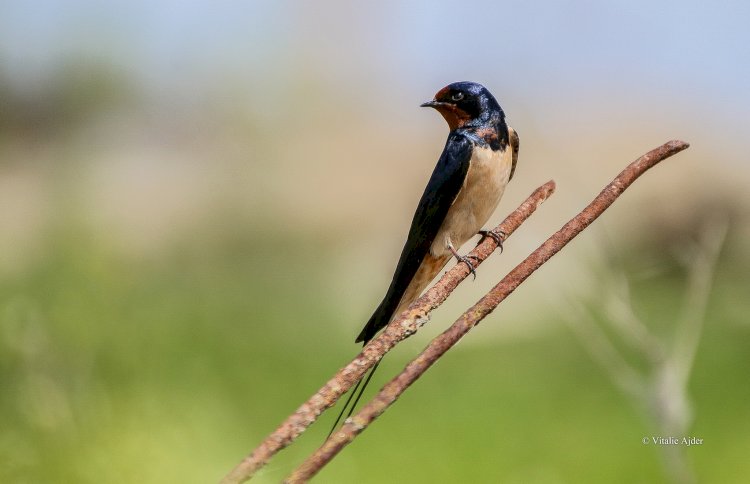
{"x": 457, "y": 96}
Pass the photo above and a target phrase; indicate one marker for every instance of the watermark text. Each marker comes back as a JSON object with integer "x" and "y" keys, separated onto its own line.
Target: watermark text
{"x": 686, "y": 441}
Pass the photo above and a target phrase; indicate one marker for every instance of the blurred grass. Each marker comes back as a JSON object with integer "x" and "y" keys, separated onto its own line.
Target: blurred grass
{"x": 169, "y": 369}
{"x": 106, "y": 357}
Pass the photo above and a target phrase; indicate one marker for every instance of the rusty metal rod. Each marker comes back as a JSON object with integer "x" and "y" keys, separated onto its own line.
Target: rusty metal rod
{"x": 399, "y": 329}
{"x": 442, "y": 343}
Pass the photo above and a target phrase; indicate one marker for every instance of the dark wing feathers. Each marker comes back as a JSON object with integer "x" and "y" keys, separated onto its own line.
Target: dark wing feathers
{"x": 442, "y": 189}
{"x": 514, "y": 143}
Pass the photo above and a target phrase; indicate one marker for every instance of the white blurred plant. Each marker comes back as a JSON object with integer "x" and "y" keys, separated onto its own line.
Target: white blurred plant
{"x": 660, "y": 391}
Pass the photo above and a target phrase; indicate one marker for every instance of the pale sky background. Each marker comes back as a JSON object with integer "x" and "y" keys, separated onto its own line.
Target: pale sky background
{"x": 696, "y": 49}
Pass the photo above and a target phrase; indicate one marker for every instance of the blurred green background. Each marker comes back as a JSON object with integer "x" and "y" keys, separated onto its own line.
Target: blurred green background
{"x": 201, "y": 204}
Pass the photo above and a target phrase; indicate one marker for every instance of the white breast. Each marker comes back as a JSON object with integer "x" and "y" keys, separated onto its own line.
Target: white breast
{"x": 483, "y": 187}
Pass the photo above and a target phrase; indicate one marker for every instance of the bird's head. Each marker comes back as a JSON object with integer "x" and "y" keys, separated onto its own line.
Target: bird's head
{"x": 466, "y": 104}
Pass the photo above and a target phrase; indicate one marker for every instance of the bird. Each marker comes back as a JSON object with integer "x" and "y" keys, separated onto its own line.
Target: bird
{"x": 477, "y": 162}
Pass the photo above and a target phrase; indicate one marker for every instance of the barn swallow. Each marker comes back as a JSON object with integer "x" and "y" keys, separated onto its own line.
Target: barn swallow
{"x": 478, "y": 160}
{"x": 466, "y": 185}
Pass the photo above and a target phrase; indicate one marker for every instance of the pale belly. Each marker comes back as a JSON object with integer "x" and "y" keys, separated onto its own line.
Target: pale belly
{"x": 484, "y": 186}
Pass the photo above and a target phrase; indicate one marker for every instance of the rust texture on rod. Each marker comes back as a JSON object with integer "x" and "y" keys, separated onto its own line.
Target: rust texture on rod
{"x": 406, "y": 324}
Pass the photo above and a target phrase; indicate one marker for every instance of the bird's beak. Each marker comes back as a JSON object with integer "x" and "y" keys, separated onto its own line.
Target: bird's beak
{"x": 431, "y": 104}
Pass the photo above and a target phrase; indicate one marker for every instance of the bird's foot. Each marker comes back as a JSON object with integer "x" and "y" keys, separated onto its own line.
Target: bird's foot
{"x": 497, "y": 235}
{"x": 466, "y": 259}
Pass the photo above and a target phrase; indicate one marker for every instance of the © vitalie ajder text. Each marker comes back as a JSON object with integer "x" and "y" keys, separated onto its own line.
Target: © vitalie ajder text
{"x": 688, "y": 441}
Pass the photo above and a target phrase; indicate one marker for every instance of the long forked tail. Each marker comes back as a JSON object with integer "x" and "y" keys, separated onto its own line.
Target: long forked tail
{"x": 396, "y": 299}
{"x": 356, "y": 400}
{"x": 378, "y": 320}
